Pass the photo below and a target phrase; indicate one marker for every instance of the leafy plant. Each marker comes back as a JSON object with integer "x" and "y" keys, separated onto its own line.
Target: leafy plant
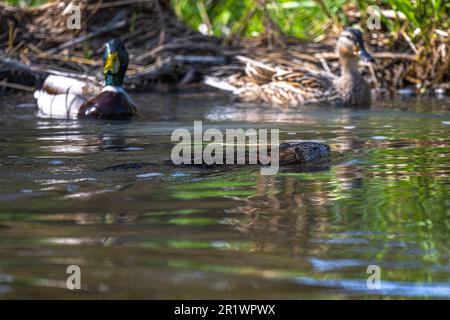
{"x": 306, "y": 18}
{"x": 26, "y": 3}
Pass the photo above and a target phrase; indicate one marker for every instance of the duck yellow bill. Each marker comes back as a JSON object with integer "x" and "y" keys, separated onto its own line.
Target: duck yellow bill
{"x": 112, "y": 63}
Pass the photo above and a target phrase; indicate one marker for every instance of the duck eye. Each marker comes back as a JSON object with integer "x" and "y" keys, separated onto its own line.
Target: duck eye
{"x": 347, "y": 36}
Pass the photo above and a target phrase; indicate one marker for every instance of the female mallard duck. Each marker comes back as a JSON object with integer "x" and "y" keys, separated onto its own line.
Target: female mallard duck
{"x": 297, "y": 86}
{"x": 63, "y": 97}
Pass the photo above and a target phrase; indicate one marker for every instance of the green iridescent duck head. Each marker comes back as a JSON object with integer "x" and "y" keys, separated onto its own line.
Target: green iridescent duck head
{"x": 351, "y": 45}
{"x": 115, "y": 62}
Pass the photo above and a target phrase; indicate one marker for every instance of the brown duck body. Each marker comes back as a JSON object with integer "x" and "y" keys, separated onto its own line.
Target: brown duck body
{"x": 293, "y": 87}
{"x": 300, "y": 85}
{"x": 351, "y": 87}
{"x": 109, "y": 104}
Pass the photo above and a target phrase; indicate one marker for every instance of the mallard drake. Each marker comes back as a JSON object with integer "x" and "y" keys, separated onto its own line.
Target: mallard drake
{"x": 64, "y": 97}
{"x": 300, "y": 85}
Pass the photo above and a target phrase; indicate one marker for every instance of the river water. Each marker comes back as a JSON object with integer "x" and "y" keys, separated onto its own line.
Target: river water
{"x": 100, "y": 195}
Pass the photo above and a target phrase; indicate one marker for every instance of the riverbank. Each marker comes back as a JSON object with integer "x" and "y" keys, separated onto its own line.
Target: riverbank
{"x": 35, "y": 42}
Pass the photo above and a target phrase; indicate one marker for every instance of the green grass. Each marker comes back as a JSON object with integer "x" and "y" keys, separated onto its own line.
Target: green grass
{"x": 308, "y": 18}
{"x": 301, "y": 18}
{"x": 26, "y": 3}
{"x": 295, "y": 18}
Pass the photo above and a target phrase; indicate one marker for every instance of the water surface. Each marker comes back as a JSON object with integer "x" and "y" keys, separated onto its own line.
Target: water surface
{"x": 98, "y": 194}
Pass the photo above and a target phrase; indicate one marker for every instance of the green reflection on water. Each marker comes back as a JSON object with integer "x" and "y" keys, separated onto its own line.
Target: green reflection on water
{"x": 231, "y": 232}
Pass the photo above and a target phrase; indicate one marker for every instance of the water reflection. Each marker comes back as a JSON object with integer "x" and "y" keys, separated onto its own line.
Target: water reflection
{"x": 66, "y": 136}
{"x": 100, "y": 195}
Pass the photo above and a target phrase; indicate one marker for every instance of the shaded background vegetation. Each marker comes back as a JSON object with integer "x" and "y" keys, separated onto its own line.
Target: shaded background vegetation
{"x": 308, "y": 19}
{"x": 419, "y": 29}
{"x": 311, "y": 19}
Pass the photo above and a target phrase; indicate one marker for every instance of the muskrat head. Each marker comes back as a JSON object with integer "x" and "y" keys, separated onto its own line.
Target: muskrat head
{"x": 351, "y": 45}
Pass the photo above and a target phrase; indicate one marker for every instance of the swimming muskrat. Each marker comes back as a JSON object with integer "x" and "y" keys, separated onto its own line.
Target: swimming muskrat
{"x": 289, "y": 154}
{"x": 303, "y": 152}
